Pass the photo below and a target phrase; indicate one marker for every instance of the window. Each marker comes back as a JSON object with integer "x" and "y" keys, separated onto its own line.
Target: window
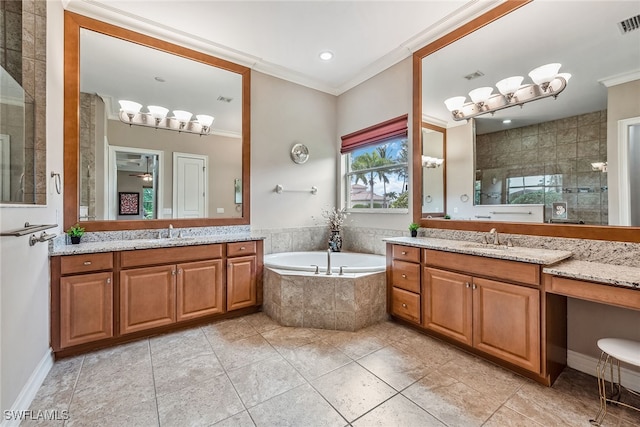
{"x": 538, "y": 189}
{"x": 376, "y": 165}
{"x": 148, "y": 203}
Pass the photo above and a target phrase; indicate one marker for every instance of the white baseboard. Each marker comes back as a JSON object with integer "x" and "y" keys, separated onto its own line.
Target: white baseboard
{"x": 587, "y": 364}
{"x": 30, "y": 389}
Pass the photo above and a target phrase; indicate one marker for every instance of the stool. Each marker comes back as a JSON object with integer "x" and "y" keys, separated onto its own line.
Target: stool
{"x": 614, "y": 350}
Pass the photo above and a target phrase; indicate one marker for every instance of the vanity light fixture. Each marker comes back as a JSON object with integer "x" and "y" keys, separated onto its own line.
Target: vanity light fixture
{"x": 546, "y": 82}
{"x": 599, "y": 166}
{"x": 431, "y": 162}
{"x": 156, "y": 117}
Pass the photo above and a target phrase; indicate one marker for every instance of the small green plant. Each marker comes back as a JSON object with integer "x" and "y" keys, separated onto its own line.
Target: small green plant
{"x": 413, "y": 226}
{"x": 75, "y": 231}
{"x": 447, "y": 217}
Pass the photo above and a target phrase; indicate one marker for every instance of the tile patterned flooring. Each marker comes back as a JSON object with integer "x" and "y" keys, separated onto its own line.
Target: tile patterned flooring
{"x": 251, "y": 371}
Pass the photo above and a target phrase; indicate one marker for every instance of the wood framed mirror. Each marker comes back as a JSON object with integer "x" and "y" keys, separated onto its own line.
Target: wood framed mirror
{"x": 226, "y": 194}
{"x": 466, "y": 173}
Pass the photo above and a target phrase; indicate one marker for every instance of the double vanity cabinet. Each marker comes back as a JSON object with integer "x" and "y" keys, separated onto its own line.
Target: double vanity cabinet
{"x": 99, "y": 299}
{"x": 490, "y": 306}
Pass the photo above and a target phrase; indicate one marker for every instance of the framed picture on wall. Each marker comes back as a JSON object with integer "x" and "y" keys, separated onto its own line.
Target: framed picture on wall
{"x": 129, "y": 203}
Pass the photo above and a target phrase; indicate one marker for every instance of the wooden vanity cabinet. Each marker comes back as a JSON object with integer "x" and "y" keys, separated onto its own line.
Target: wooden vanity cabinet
{"x": 490, "y": 305}
{"x": 81, "y": 299}
{"x": 404, "y": 278}
{"x": 162, "y": 295}
{"x": 241, "y": 275}
{"x": 106, "y": 298}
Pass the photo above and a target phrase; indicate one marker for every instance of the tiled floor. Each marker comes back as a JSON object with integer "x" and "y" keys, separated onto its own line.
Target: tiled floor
{"x": 250, "y": 371}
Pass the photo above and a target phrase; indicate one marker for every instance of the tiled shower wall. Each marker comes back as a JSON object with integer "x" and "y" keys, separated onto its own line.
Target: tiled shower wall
{"x": 88, "y": 154}
{"x": 23, "y": 55}
{"x": 567, "y": 146}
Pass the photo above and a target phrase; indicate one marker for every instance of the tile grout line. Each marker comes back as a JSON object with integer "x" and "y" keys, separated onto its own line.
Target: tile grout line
{"x": 73, "y": 392}
{"x": 153, "y": 377}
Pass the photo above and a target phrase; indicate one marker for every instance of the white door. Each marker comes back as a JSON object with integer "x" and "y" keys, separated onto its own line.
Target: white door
{"x": 189, "y": 185}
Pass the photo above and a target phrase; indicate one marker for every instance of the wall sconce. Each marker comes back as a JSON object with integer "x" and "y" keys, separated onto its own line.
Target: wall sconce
{"x": 546, "y": 82}
{"x": 599, "y": 166}
{"x": 431, "y": 162}
{"x": 157, "y": 118}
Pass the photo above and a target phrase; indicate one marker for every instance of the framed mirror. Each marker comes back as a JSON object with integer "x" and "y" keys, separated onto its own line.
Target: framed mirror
{"x": 585, "y": 116}
{"x": 187, "y": 171}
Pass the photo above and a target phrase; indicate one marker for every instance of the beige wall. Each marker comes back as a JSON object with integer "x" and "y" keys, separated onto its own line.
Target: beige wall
{"x": 623, "y": 102}
{"x": 24, "y": 270}
{"x": 282, "y": 114}
{"x": 382, "y": 97}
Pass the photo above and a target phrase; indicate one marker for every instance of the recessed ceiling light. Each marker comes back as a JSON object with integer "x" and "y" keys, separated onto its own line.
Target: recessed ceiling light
{"x": 506, "y": 121}
{"x": 326, "y": 55}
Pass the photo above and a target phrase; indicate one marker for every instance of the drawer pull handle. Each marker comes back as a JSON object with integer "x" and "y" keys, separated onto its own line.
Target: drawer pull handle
{"x": 87, "y": 263}
{"x": 404, "y": 253}
{"x": 242, "y": 248}
{"x": 404, "y": 276}
{"x": 404, "y": 305}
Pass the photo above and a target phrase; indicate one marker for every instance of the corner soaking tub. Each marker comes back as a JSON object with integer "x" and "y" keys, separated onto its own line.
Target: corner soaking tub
{"x": 295, "y": 296}
{"x": 350, "y": 262}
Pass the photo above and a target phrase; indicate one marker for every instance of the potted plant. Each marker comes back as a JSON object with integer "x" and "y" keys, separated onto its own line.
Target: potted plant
{"x": 413, "y": 228}
{"x": 75, "y": 233}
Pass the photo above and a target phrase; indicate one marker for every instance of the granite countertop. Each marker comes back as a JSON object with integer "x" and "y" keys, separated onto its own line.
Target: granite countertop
{"x": 609, "y": 274}
{"x": 516, "y": 253}
{"x": 129, "y": 245}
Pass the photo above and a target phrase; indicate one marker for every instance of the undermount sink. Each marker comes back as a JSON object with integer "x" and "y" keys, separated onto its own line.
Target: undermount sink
{"x": 485, "y": 246}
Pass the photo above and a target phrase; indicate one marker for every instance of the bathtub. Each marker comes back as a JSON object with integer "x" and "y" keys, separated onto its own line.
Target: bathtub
{"x": 295, "y": 296}
{"x": 306, "y": 261}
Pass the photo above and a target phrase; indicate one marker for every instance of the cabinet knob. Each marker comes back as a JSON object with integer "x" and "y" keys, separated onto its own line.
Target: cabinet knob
{"x": 404, "y": 305}
{"x": 87, "y": 263}
{"x": 109, "y": 280}
{"x": 179, "y": 271}
{"x": 404, "y": 276}
{"x": 173, "y": 272}
{"x": 242, "y": 248}
{"x": 404, "y": 253}
{"x": 468, "y": 285}
{"x": 474, "y": 286}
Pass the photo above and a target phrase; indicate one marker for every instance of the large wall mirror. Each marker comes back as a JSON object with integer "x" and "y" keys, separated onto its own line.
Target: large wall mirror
{"x": 538, "y": 163}
{"x": 130, "y": 166}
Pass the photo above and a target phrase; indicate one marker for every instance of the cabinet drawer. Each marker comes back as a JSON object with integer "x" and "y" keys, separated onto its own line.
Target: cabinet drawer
{"x": 71, "y": 264}
{"x": 241, "y": 248}
{"x": 144, "y": 257}
{"x": 406, "y": 253}
{"x": 405, "y": 275}
{"x": 405, "y": 304}
{"x": 513, "y": 271}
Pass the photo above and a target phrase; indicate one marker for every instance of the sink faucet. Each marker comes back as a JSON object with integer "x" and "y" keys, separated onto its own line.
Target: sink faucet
{"x": 170, "y": 232}
{"x": 493, "y": 232}
{"x": 329, "y": 262}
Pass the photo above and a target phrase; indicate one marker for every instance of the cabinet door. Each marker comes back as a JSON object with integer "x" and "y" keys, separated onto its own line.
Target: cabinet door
{"x": 86, "y": 308}
{"x": 507, "y": 322}
{"x": 147, "y": 298}
{"x": 199, "y": 289}
{"x": 447, "y": 304}
{"x": 241, "y": 282}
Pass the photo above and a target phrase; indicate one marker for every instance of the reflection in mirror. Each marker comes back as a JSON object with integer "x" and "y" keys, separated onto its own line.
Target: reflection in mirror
{"x": 192, "y": 174}
{"x": 433, "y": 170}
{"x": 16, "y": 142}
{"x": 547, "y": 152}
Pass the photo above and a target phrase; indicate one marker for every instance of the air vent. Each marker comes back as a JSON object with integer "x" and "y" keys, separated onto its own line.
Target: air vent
{"x": 474, "y": 75}
{"x": 224, "y": 99}
{"x": 630, "y": 24}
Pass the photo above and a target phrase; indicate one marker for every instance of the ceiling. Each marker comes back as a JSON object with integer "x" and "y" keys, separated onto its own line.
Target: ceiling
{"x": 285, "y": 38}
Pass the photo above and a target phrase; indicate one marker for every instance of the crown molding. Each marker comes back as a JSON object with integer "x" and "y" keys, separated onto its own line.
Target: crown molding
{"x": 620, "y": 78}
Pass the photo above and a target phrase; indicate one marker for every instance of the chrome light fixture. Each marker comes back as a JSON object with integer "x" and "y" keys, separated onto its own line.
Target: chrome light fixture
{"x": 546, "y": 82}
{"x": 431, "y": 162}
{"x": 156, "y": 117}
{"x": 599, "y": 166}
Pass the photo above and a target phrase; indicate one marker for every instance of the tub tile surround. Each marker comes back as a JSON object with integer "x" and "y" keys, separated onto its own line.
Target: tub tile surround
{"x": 385, "y": 374}
{"x": 346, "y": 303}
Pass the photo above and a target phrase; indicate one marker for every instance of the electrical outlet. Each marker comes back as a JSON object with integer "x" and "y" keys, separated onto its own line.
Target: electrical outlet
{"x": 220, "y": 210}
{"x": 455, "y": 210}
